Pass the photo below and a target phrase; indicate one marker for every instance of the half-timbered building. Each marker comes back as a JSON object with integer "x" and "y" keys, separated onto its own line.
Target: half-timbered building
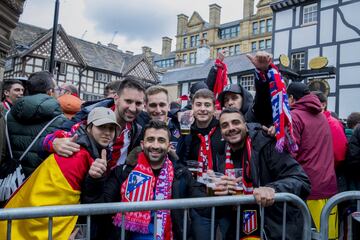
{"x": 84, "y": 64}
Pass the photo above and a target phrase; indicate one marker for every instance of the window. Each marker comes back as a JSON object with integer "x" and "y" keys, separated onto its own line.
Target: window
{"x": 269, "y": 25}
{"x": 230, "y": 32}
{"x": 237, "y": 49}
{"x": 247, "y": 82}
{"x": 72, "y": 74}
{"x": 262, "y": 26}
{"x": 185, "y": 58}
{"x": 268, "y": 43}
{"x": 185, "y": 41}
{"x": 253, "y": 46}
{"x": 310, "y": 13}
{"x": 204, "y": 35}
{"x": 262, "y": 44}
{"x": 298, "y": 60}
{"x": 102, "y": 77}
{"x": 231, "y": 50}
{"x": 192, "y": 58}
{"x": 197, "y": 40}
{"x": 192, "y": 41}
{"x": 255, "y": 28}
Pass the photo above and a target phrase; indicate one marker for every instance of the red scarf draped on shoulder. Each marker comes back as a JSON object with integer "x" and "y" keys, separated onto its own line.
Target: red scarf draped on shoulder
{"x": 221, "y": 79}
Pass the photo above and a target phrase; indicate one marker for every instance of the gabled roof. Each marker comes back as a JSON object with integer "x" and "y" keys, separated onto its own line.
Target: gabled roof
{"x": 195, "y": 19}
{"x": 46, "y": 36}
{"x": 97, "y": 56}
{"x": 235, "y": 64}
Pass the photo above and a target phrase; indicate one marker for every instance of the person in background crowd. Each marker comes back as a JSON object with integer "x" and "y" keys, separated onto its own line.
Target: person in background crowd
{"x": 193, "y": 89}
{"x": 236, "y": 96}
{"x": 59, "y": 180}
{"x": 151, "y": 172}
{"x": 128, "y": 105}
{"x": 337, "y": 131}
{"x": 351, "y": 122}
{"x": 29, "y": 115}
{"x": 268, "y": 173}
{"x": 67, "y": 89}
{"x": 315, "y": 154}
{"x": 12, "y": 90}
{"x": 2, "y": 134}
{"x": 111, "y": 89}
{"x": 69, "y": 104}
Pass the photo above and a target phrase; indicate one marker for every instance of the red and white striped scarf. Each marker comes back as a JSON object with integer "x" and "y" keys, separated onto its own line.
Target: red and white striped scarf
{"x": 246, "y": 167}
{"x": 138, "y": 187}
{"x": 205, "y": 153}
{"x": 120, "y": 147}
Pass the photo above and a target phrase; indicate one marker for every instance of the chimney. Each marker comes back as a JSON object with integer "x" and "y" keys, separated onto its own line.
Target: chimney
{"x": 166, "y": 46}
{"x": 248, "y": 9}
{"x": 129, "y": 52}
{"x": 113, "y": 46}
{"x": 182, "y": 23}
{"x": 147, "y": 52}
{"x": 214, "y": 14}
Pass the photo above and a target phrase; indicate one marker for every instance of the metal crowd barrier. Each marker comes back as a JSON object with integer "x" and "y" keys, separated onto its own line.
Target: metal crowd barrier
{"x": 186, "y": 204}
{"x": 331, "y": 203}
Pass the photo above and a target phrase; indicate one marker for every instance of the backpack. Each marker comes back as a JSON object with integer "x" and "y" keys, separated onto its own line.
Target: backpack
{"x": 11, "y": 172}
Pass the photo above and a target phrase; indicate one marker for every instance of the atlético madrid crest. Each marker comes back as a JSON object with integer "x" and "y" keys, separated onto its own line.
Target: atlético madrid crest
{"x": 249, "y": 221}
{"x": 137, "y": 187}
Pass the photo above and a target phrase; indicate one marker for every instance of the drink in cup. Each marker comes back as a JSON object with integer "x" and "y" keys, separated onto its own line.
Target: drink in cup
{"x": 185, "y": 123}
{"x": 236, "y": 173}
{"x": 193, "y": 166}
{"x": 211, "y": 180}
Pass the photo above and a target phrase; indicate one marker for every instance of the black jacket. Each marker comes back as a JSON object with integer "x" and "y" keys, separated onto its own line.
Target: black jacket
{"x": 283, "y": 173}
{"x": 352, "y": 161}
{"x": 189, "y": 145}
{"x": 25, "y": 120}
{"x": 108, "y": 190}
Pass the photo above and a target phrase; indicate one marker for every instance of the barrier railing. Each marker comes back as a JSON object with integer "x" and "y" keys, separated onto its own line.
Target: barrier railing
{"x": 331, "y": 203}
{"x": 110, "y": 208}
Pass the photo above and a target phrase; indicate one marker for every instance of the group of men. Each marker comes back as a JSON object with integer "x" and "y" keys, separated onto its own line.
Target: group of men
{"x": 147, "y": 157}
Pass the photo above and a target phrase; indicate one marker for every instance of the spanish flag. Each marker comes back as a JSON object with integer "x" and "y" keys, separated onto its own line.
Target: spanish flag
{"x": 57, "y": 181}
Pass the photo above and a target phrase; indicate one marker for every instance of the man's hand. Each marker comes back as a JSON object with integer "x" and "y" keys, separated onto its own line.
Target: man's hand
{"x": 264, "y": 196}
{"x": 98, "y": 167}
{"x": 221, "y": 187}
{"x": 270, "y": 131}
{"x": 66, "y": 146}
{"x": 232, "y": 185}
{"x": 261, "y": 60}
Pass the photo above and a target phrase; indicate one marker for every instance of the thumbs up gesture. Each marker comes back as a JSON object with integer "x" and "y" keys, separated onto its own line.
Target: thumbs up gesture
{"x": 98, "y": 167}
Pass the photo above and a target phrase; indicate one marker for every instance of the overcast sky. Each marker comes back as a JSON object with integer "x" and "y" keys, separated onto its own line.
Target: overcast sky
{"x": 130, "y": 24}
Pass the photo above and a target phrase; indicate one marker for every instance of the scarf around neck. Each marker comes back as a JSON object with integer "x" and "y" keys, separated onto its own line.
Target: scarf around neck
{"x": 141, "y": 185}
{"x": 205, "y": 153}
{"x": 246, "y": 167}
{"x": 121, "y": 147}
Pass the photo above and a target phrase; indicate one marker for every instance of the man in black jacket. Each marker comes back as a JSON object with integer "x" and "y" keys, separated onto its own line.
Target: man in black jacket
{"x": 148, "y": 175}
{"x": 265, "y": 172}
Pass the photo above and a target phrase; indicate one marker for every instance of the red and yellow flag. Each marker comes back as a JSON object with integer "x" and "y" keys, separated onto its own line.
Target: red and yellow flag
{"x": 48, "y": 185}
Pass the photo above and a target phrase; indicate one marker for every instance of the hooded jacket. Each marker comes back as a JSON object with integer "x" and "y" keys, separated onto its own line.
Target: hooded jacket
{"x": 26, "y": 119}
{"x": 315, "y": 154}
